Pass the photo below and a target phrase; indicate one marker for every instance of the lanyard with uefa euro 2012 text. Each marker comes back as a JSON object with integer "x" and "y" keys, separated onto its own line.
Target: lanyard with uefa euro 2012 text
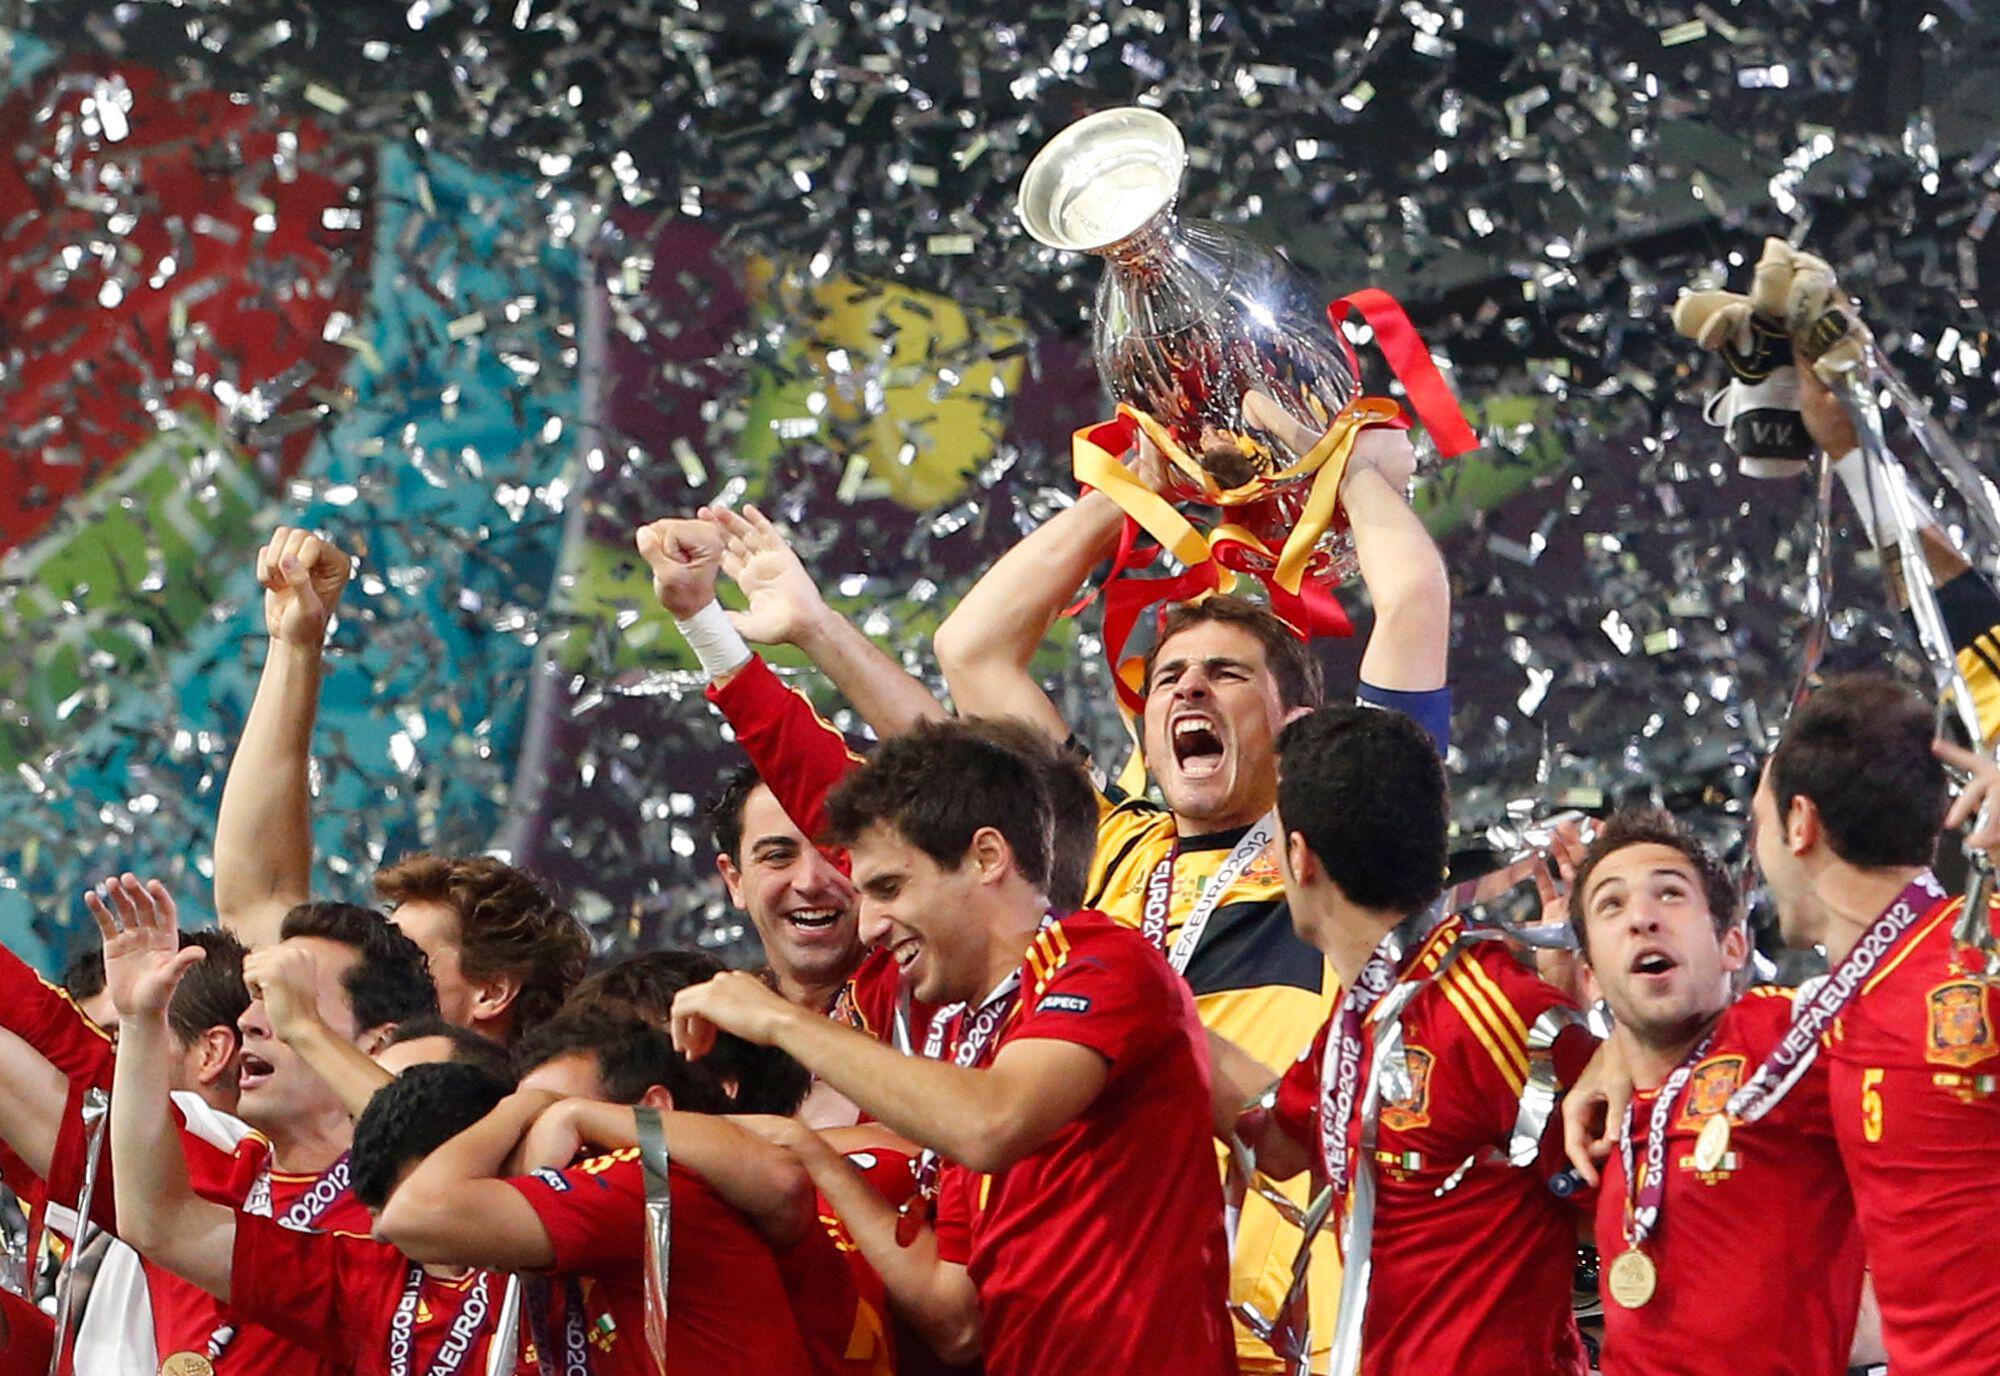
{"x": 1814, "y": 1013}
{"x": 976, "y": 1037}
{"x": 458, "y": 1340}
{"x": 1160, "y": 889}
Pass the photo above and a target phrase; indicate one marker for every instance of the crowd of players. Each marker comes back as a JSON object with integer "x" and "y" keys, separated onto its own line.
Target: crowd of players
{"x": 969, "y": 1114}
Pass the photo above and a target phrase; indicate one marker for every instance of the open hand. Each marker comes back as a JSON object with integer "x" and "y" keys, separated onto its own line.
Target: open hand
{"x": 143, "y": 956}
{"x": 684, "y": 555}
{"x": 785, "y": 604}
{"x": 303, "y": 576}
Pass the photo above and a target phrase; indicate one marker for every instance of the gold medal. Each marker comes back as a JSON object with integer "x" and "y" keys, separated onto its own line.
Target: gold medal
{"x": 1632, "y": 1279}
{"x": 1713, "y": 1144}
{"x": 187, "y": 1364}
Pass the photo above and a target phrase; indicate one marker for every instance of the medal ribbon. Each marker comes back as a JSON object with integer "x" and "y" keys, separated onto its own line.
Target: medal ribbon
{"x": 1160, "y": 886}
{"x": 1340, "y": 1072}
{"x": 457, "y": 1345}
{"x": 975, "y": 1037}
{"x": 1813, "y": 1015}
{"x": 1644, "y": 1196}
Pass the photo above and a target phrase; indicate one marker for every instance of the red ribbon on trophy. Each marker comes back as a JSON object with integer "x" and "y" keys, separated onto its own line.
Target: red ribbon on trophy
{"x": 1299, "y": 576}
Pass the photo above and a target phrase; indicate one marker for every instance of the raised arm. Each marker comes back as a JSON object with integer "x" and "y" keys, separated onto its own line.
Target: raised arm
{"x": 934, "y": 1296}
{"x": 987, "y": 646}
{"x": 760, "y": 1180}
{"x": 1400, "y": 566}
{"x": 786, "y": 608}
{"x": 284, "y": 978}
{"x": 33, "y": 1097}
{"x": 159, "y": 1214}
{"x": 263, "y": 834}
{"x": 984, "y": 1119}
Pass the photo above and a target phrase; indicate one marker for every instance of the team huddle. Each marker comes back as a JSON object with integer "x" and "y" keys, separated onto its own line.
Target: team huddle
{"x": 1041, "y": 1076}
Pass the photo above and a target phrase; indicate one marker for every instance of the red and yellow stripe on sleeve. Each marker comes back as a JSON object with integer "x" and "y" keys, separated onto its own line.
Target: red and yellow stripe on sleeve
{"x": 1484, "y": 1008}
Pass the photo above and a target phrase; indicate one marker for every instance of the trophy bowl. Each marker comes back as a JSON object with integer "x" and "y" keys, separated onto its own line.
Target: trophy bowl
{"x": 1191, "y": 318}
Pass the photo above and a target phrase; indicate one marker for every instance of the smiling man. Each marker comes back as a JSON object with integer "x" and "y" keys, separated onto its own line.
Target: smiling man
{"x": 1199, "y": 876}
{"x": 1079, "y": 1219}
{"x": 1655, "y": 916}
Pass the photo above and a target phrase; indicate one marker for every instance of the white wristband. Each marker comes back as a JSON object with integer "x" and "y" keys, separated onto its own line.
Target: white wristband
{"x": 714, "y": 640}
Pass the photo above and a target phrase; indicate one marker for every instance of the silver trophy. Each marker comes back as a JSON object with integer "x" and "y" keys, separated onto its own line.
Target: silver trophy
{"x": 1196, "y": 328}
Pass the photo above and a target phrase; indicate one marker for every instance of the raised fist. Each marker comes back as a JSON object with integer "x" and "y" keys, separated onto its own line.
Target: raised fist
{"x": 685, "y": 556}
{"x": 303, "y": 576}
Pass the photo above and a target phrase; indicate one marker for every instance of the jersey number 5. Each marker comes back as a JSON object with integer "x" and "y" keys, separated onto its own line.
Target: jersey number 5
{"x": 1871, "y": 1105}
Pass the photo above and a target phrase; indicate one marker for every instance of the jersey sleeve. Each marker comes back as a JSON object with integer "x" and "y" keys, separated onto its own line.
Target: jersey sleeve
{"x": 795, "y": 751}
{"x": 953, "y": 1223}
{"x": 1495, "y": 1005}
{"x": 1296, "y": 1111}
{"x": 1430, "y": 709}
{"x": 295, "y": 1283}
{"x": 594, "y": 1212}
{"x": 1112, "y": 993}
{"x": 47, "y": 1019}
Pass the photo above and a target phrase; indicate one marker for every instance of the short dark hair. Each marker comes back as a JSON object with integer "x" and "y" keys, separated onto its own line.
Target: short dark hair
{"x": 391, "y": 981}
{"x": 1300, "y": 680}
{"x": 632, "y": 1056}
{"x": 212, "y": 993}
{"x": 508, "y": 924}
{"x": 1652, "y": 826}
{"x": 1860, "y": 748}
{"x": 411, "y": 1117}
{"x": 1365, "y": 788}
{"x": 767, "y": 1080}
{"x": 83, "y": 977}
{"x": 724, "y": 811}
{"x": 643, "y": 986}
{"x": 467, "y": 1046}
{"x": 1073, "y": 811}
{"x": 937, "y": 786}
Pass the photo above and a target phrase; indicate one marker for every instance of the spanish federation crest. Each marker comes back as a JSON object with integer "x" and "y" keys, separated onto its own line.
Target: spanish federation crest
{"x": 1409, "y": 1108}
{"x": 1709, "y": 1088}
{"x": 1960, "y": 1032}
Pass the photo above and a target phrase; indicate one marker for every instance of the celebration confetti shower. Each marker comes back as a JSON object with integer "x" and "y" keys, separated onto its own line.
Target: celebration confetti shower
{"x": 476, "y": 288}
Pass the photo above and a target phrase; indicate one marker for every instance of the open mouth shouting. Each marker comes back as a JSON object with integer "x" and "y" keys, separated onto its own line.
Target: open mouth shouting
{"x": 1197, "y": 745}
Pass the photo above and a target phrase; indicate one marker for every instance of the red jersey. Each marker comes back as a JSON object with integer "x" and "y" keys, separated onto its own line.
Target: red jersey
{"x": 838, "y": 1298}
{"x": 1914, "y": 1077}
{"x": 1102, "y": 1250}
{"x": 187, "y": 1318}
{"x": 1777, "y": 1201}
{"x": 727, "y": 1311}
{"x": 800, "y": 756}
{"x": 359, "y": 1302}
{"x": 1474, "y": 1280}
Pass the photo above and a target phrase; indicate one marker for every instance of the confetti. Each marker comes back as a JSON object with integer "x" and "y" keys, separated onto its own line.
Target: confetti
{"x": 477, "y": 287}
